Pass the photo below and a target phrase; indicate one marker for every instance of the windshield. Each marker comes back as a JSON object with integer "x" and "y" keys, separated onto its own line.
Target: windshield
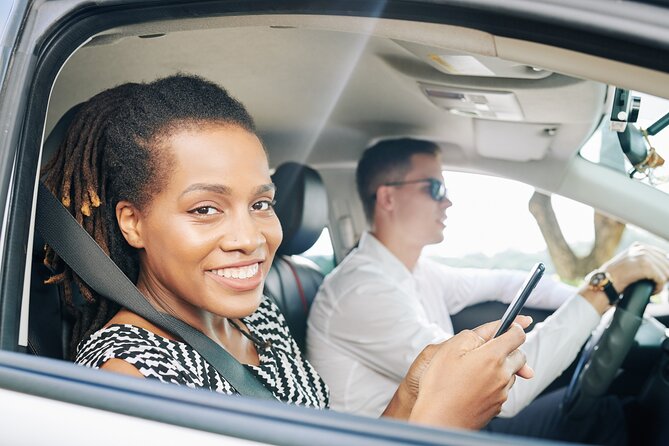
{"x": 604, "y": 146}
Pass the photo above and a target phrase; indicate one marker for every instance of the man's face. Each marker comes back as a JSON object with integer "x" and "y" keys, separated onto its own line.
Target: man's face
{"x": 415, "y": 213}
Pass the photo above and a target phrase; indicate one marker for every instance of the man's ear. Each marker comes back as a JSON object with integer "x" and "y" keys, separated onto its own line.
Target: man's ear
{"x": 129, "y": 220}
{"x": 385, "y": 199}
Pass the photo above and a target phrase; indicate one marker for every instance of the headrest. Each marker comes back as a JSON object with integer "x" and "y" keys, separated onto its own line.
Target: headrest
{"x": 301, "y": 205}
{"x": 57, "y": 134}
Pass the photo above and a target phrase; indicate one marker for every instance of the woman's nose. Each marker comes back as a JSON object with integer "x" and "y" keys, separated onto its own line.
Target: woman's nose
{"x": 242, "y": 234}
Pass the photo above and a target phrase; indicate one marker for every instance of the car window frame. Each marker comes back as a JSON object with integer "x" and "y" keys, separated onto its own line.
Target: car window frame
{"x": 34, "y": 73}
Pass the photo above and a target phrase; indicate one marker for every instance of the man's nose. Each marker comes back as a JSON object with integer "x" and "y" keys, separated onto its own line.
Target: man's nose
{"x": 446, "y": 202}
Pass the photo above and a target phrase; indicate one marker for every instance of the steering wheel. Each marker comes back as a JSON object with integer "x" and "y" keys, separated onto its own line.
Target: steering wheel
{"x": 604, "y": 353}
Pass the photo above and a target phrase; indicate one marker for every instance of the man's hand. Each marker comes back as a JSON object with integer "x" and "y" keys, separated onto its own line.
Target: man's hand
{"x": 635, "y": 263}
{"x": 463, "y": 381}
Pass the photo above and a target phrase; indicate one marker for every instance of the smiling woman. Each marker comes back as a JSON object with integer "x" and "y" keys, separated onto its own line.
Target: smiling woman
{"x": 175, "y": 186}
{"x": 188, "y": 213}
{"x": 173, "y": 183}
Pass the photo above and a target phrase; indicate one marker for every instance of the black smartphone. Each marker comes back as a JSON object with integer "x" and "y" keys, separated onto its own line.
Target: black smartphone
{"x": 517, "y": 303}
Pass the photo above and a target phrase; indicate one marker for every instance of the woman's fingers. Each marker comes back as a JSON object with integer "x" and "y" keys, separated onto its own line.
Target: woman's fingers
{"x": 517, "y": 363}
{"x": 507, "y": 342}
{"x": 488, "y": 330}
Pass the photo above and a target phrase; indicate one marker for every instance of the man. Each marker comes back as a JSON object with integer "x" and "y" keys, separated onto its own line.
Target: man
{"x": 384, "y": 303}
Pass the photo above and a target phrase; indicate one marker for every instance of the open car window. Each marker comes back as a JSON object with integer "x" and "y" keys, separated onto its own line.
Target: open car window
{"x": 323, "y": 81}
{"x": 491, "y": 225}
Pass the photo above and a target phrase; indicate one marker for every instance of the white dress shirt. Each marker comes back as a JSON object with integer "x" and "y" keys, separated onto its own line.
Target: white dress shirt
{"x": 372, "y": 317}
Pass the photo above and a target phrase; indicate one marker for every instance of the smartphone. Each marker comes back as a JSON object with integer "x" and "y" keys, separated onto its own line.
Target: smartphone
{"x": 517, "y": 303}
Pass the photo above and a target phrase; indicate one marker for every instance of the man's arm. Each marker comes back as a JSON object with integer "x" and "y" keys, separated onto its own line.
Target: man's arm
{"x": 553, "y": 345}
{"x": 463, "y": 287}
{"x": 550, "y": 348}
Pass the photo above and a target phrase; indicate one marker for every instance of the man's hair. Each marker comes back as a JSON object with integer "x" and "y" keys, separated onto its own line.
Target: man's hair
{"x": 384, "y": 162}
{"x": 113, "y": 151}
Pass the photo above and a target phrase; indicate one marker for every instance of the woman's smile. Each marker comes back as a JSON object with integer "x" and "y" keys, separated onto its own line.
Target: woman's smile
{"x": 242, "y": 277}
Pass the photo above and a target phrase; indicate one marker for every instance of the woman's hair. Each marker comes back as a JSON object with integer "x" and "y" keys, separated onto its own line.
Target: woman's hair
{"x": 112, "y": 152}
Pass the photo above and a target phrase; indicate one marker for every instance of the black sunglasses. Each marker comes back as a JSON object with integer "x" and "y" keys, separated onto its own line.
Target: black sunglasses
{"x": 436, "y": 188}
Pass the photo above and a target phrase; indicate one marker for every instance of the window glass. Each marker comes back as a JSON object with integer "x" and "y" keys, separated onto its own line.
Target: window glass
{"x": 322, "y": 252}
{"x": 490, "y": 226}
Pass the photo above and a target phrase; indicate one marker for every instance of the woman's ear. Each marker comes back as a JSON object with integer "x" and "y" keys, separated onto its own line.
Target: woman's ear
{"x": 130, "y": 222}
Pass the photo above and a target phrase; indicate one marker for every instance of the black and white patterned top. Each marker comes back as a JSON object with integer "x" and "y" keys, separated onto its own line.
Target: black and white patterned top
{"x": 282, "y": 368}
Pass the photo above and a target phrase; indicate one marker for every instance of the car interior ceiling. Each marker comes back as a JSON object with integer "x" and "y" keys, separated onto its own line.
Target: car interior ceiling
{"x": 343, "y": 84}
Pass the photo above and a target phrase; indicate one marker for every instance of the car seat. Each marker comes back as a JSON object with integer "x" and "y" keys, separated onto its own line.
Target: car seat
{"x": 302, "y": 208}
{"x": 49, "y": 323}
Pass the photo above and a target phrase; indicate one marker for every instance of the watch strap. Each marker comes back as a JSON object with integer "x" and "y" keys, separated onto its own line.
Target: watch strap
{"x": 611, "y": 292}
{"x": 601, "y": 281}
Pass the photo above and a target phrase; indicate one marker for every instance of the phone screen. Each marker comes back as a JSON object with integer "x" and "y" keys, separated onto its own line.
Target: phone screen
{"x": 517, "y": 303}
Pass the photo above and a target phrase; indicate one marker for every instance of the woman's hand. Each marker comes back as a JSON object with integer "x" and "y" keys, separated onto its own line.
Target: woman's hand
{"x": 463, "y": 381}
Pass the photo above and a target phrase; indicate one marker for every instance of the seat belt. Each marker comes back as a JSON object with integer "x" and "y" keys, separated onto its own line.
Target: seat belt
{"x": 78, "y": 249}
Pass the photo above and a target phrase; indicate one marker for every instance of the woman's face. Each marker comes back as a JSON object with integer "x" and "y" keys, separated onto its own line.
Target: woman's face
{"x": 207, "y": 240}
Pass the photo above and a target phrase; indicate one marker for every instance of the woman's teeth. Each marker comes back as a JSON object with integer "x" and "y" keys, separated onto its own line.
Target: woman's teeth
{"x": 242, "y": 272}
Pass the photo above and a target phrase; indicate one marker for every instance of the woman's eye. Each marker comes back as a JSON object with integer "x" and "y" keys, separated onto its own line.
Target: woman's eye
{"x": 204, "y": 210}
{"x": 263, "y": 205}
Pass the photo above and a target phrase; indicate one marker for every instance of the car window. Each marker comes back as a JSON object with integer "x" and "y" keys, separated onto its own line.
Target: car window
{"x": 490, "y": 226}
{"x": 322, "y": 252}
{"x": 245, "y": 47}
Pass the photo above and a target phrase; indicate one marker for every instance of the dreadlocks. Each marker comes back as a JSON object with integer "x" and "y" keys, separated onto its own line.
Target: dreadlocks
{"x": 112, "y": 152}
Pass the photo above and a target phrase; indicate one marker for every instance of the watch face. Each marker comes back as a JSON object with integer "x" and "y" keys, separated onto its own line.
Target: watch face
{"x": 598, "y": 279}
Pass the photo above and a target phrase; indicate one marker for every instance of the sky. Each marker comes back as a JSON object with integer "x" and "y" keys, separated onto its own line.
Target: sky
{"x": 490, "y": 215}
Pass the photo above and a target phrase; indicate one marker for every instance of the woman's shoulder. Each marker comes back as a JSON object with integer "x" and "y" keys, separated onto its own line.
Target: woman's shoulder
{"x": 154, "y": 356}
{"x": 121, "y": 341}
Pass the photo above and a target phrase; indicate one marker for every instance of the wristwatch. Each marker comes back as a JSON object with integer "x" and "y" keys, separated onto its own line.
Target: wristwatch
{"x": 601, "y": 281}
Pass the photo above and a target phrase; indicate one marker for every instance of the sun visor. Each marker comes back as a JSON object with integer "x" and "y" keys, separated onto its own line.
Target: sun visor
{"x": 476, "y": 103}
{"x": 513, "y": 141}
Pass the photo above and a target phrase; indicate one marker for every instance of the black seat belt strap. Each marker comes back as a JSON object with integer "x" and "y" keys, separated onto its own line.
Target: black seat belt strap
{"x": 78, "y": 249}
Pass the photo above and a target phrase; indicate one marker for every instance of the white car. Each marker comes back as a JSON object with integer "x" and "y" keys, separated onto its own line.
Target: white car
{"x": 512, "y": 89}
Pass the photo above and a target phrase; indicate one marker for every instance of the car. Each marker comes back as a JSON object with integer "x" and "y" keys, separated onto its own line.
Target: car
{"x": 515, "y": 90}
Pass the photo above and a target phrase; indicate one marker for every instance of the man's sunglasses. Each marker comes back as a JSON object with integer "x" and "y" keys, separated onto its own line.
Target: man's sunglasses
{"x": 436, "y": 188}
